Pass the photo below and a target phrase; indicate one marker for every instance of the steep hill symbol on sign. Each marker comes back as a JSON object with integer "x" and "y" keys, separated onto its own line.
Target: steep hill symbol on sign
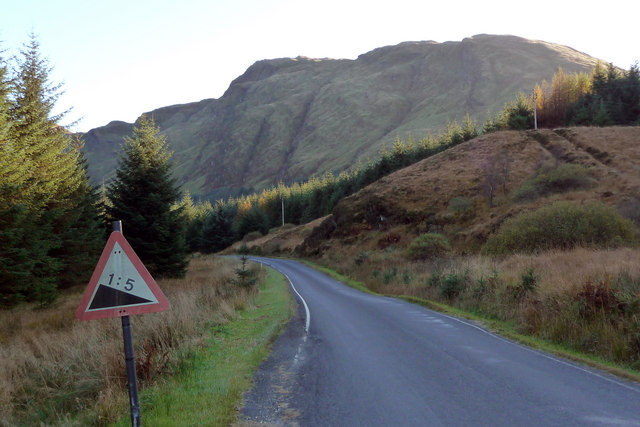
{"x": 120, "y": 285}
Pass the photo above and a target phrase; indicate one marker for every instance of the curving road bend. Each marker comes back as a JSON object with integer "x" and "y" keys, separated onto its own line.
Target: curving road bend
{"x": 352, "y": 359}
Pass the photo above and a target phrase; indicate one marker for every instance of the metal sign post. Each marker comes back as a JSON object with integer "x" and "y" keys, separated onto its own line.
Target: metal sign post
{"x": 130, "y": 361}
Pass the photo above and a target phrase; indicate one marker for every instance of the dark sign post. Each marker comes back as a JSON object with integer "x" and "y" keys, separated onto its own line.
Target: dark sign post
{"x": 121, "y": 286}
{"x": 130, "y": 360}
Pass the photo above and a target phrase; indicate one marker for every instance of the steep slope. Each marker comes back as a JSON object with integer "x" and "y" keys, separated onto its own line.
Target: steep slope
{"x": 417, "y": 198}
{"x": 287, "y": 119}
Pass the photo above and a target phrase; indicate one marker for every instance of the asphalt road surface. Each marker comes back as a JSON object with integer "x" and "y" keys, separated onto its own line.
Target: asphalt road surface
{"x": 353, "y": 359}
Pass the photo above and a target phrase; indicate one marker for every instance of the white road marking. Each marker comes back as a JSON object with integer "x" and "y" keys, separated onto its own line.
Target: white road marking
{"x": 547, "y": 356}
{"x": 306, "y": 307}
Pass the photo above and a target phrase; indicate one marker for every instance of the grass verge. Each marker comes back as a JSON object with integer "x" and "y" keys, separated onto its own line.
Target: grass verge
{"x": 502, "y": 328}
{"x": 342, "y": 278}
{"x": 209, "y": 387}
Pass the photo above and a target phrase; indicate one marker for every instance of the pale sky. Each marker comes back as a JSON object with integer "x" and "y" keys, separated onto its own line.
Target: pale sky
{"x": 120, "y": 58}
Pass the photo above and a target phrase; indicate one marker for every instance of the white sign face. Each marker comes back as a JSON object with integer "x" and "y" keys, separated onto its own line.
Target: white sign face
{"x": 120, "y": 284}
{"x": 120, "y": 274}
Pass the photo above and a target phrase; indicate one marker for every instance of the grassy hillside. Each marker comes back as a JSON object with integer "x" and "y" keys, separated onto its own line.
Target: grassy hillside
{"x": 446, "y": 193}
{"x": 418, "y": 198}
{"x": 287, "y": 119}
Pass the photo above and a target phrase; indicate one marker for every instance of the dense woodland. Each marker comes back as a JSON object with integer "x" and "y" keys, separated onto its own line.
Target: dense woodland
{"x": 53, "y": 223}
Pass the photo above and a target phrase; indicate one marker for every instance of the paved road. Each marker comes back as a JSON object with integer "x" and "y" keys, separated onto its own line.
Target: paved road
{"x": 377, "y": 361}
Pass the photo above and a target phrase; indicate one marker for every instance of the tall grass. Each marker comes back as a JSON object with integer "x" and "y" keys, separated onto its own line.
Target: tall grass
{"x": 57, "y": 370}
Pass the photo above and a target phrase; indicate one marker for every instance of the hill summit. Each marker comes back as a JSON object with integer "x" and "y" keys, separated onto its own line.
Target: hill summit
{"x": 287, "y": 119}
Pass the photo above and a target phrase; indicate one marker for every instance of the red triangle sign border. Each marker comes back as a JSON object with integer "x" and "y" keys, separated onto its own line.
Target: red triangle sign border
{"x": 83, "y": 313}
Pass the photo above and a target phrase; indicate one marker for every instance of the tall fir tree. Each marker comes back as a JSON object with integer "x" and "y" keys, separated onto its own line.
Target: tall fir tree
{"x": 218, "y": 230}
{"x": 42, "y": 184}
{"x": 52, "y": 175}
{"x": 18, "y": 231}
{"x": 81, "y": 229}
{"x": 13, "y": 161}
{"x": 143, "y": 195}
{"x": 631, "y": 95}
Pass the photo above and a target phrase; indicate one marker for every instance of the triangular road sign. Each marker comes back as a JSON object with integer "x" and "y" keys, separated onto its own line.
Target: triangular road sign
{"x": 120, "y": 285}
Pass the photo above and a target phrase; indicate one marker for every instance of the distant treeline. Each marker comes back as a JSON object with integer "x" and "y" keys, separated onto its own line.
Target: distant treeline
{"x": 607, "y": 97}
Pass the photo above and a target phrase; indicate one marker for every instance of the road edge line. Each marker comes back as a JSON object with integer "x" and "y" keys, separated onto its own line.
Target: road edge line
{"x": 307, "y": 323}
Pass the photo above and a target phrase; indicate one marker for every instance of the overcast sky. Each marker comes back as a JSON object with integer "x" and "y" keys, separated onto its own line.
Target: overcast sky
{"x": 120, "y": 58}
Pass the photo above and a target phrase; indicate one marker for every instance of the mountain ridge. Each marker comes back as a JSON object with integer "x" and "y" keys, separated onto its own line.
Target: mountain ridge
{"x": 287, "y": 119}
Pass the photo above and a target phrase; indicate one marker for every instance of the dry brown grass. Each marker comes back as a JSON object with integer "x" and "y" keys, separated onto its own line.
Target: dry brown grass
{"x": 53, "y": 366}
{"x": 565, "y": 271}
{"x": 558, "y": 272}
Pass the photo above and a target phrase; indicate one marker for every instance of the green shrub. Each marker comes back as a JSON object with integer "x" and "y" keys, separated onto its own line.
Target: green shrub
{"x": 563, "y": 225}
{"x": 389, "y": 275}
{"x": 435, "y": 280}
{"x": 480, "y": 290}
{"x": 256, "y": 250}
{"x": 528, "y": 284}
{"x": 245, "y": 277}
{"x": 460, "y": 206}
{"x": 558, "y": 179}
{"x": 529, "y": 280}
{"x": 451, "y": 286}
{"x": 407, "y": 277}
{"x": 361, "y": 257}
{"x": 428, "y": 245}
{"x": 243, "y": 249}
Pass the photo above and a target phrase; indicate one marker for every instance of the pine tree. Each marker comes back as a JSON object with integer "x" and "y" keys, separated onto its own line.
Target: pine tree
{"x": 631, "y": 95}
{"x": 52, "y": 175}
{"x": 81, "y": 229}
{"x": 143, "y": 195}
{"x": 218, "y": 231}
{"x": 20, "y": 248}
{"x": 13, "y": 160}
{"x": 253, "y": 220}
{"x": 195, "y": 215}
{"x": 41, "y": 184}
{"x": 469, "y": 129}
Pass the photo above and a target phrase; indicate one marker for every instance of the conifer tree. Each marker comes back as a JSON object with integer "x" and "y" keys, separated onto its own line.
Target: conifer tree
{"x": 7, "y": 157}
{"x": 41, "y": 184}
{"x": 631, "y": 95}
{"x": 218, "y": 231}
{"x": 53, "y": 175}
{"x": 17, "y": 229}
{"x": 143, "y": 195}
{"x": 13, "y": 160}
{"x": 81, "y": 229}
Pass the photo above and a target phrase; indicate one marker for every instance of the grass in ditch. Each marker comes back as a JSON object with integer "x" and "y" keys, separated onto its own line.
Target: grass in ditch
{"x": 209, "y": 389}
